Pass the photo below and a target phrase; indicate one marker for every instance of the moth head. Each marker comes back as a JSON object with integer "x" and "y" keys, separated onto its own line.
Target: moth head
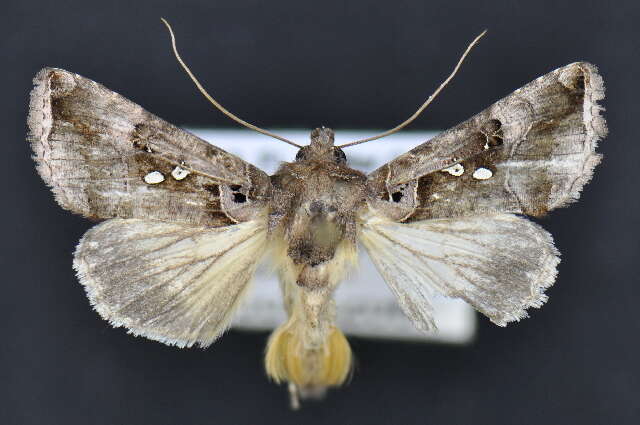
{"x": 321, "y": 148}
{"x": 322, "y": 137}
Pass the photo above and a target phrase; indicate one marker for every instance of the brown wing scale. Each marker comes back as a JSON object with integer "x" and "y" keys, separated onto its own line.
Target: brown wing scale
{"x": 528, "y": 153}
{"x": 104, "y": 157}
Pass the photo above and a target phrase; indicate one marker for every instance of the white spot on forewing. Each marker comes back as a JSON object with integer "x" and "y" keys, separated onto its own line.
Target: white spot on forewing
{"x": 482, "y": 174}
{"x": 455, "y": 170}
{"x": 154, "y": 177}
{"x": 179, "y": 173}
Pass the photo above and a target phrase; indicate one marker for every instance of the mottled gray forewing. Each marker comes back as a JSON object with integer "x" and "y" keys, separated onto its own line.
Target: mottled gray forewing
{"x": 95, "y": 148}
{"x": 499, "y": 264}
{"x": 528, "y": 153}
{"x": 171, "y": 282}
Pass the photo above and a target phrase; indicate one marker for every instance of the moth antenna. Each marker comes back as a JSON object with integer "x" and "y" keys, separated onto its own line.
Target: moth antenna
{"x": 211, "y": 99}
{"x": 426, "y": 103}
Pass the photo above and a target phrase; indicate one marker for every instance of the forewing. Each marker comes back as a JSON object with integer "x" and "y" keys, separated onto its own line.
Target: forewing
{"x": 499, "y": 264}
{"x": 528, "y": 153}
{"x": 174, "y": 283}
{"x": 104, "y": 156}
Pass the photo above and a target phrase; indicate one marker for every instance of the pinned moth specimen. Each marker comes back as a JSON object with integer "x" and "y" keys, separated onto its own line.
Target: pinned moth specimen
{"x": 185, "y": 224}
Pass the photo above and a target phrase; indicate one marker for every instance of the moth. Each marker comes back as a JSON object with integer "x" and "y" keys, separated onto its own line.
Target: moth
{"x": 184, "y": 224}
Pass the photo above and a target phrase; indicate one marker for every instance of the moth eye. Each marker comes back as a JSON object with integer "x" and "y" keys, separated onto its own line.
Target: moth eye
{"x": 339, "y": 155}
{"x": 235, "y": 187}
{"x": 397, "y": 196}
{"x": 300, "y": 156}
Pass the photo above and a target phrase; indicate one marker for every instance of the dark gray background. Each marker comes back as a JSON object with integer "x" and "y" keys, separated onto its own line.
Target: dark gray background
{"x": 342, "y": 64}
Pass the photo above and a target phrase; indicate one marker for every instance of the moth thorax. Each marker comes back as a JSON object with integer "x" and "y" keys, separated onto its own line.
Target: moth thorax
{"x": 321, "y": 148}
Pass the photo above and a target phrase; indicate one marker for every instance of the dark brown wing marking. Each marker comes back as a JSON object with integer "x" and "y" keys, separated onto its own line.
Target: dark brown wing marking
{"x": 528, "y": 153}
{"x": 104, "y": 156}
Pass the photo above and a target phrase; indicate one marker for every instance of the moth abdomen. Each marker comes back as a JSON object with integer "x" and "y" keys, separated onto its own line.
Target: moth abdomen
{"x": 309, "y": 351}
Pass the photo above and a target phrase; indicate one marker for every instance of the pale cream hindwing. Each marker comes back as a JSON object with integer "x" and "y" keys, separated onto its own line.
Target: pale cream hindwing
{"x": 500, "y": 264}
{"x": 174, "y": 283}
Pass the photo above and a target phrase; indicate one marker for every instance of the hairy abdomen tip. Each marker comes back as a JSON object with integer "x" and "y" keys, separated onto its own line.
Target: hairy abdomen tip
{"x": 288, "y": 359}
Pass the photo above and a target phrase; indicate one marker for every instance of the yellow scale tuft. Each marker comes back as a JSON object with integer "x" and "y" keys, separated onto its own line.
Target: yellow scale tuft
{"x": 287, "y": 359}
